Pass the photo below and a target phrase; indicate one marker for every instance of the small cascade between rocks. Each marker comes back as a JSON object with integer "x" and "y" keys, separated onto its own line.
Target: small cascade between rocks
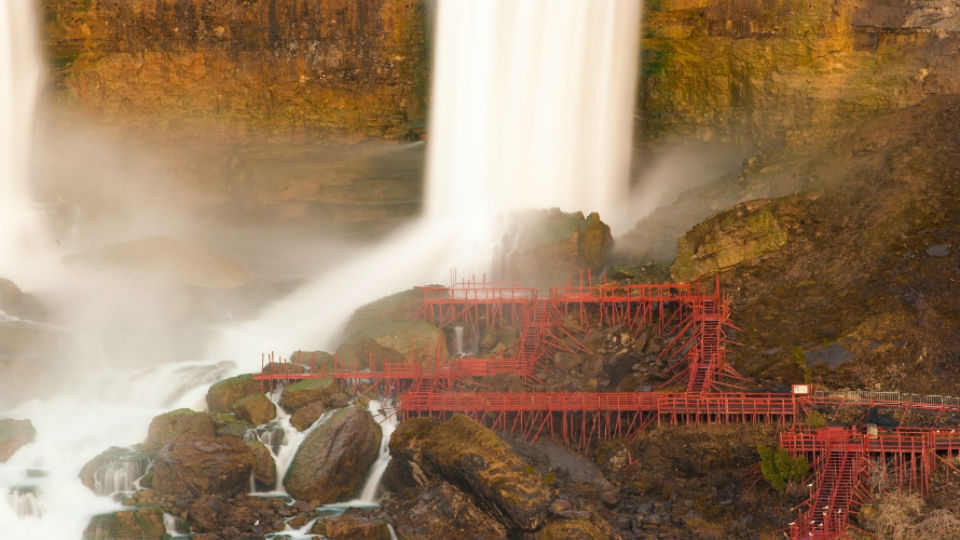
{"x": 458, "y": 340}
{"x": 388, "y": 423}
{"x": 120, "y": 475}
{"x": 283, "y": 440}
{"x": 25, "y": 502}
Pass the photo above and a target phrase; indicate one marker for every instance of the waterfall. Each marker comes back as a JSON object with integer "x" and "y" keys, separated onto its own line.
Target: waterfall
{"x": 531, "y": 106}
{"x": 22, "y": 243}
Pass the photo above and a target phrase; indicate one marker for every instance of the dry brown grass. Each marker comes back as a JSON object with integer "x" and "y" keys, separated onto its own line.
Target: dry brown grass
{"x": 901, "y": 515}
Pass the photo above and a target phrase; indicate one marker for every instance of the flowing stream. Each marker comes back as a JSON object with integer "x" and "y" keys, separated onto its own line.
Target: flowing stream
{"x": 531, "y": 106}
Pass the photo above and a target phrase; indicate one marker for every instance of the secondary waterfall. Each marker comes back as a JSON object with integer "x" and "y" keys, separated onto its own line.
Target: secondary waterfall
{"x": 21, "y": 230}
{"x": 531, "y": 106}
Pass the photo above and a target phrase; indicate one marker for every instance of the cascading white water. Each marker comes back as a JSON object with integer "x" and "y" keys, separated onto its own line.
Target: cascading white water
{"x": 22, "y": 242}
{"x": 531, "y": 106}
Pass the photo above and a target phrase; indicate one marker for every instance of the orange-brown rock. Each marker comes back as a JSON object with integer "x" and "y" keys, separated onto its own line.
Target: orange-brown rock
{"x": 195, "y": 465}
{"x": 355, "y": 66}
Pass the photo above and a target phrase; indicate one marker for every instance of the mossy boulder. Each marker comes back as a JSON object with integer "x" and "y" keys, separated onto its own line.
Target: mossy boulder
{"x": 14, "y": 434}
{"x": 470, "y": 456}
{"x": 301, "y": 393}
{"x": 256, "y": 409}
{"x": 264, "y": 468}
{"x": 168, "y": 426}
{"x": 136, "y": 524}
{"x": 305, "y": 416}
{"x": 332, "y": 462}
{"x": 228, "y": 425}
{"x": 745, "y": 232}
{"x": 115, "y": 469}
{"x": 357, "y": 352}
{"x": 395, "y": 342}
{"x": 393, "y": 308}
{"x": 195, "y": 465}
{"x": 224, "y": 395}
{"x": 550, "y": 247}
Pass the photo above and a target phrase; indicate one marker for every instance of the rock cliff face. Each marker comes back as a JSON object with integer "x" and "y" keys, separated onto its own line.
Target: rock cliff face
{"x": 789, "y": 72}
{"x": 302, "y": 66}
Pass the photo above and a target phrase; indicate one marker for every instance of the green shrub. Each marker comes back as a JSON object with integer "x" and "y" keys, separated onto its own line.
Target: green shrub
{"x": 779, "y": 469}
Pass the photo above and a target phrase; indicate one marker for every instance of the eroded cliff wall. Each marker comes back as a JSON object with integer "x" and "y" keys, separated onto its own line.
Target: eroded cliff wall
{"x": 789, "y": 72}
{"x": 315, "y": 67}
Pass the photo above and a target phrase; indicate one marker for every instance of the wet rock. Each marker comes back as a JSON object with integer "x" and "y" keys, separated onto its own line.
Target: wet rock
{"x": 213, "y": 516}
{"x": 168, "y": 426}
{"x": 228, "y": 425}
{"x": 224, "y": 395}
{"x": 195, "y": 465}
{"x": 939, "y": 250}
{"x": 582, "y": 528}
{"x": 417, "y": 341}
{"x": 264, "y": 468}
{"x": 551, "y": 247}
{"x": 116, "y": 469}
{"x": 332, "y": 462}
{"x": 14, "y": 434}
{"x": 440, "y": 510}
{"x": 393, "y": 308}
{"x": 301, "y": 393}
{"x": 469, "y": 455}
{"x": 305, "y": 416}
{"x": 357, "y": 352}
{"x": 139, "y": 524}
{"x": 353, "y": 525}
{"x": 256, "y": 409}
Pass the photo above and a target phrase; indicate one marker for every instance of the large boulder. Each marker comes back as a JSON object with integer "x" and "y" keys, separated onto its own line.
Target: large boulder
{"x": 305, "y": 416}
{"x": 13, "y": 435}
{"x": 137, "y": 524}
{"x": 550, "y": 247}
{"x": 358, "y": 350}
{"x": 743, "y": 233}
{"x": 224, "y": 395}
{"x": 419, "y": 339}
{"x": 332, "y": 462}
{"x": 115, "y": 469}
{"x": 393, "y": 308}
{"x": 168, "y": 426}
{"x": 195, "y": 465}
{"x": 256, "y": 409}
{"x": 264, "y": 468}
{"x": 440, "y": 510}
{"x": 470, "y": 456}
{"x": 301, "y": 393}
